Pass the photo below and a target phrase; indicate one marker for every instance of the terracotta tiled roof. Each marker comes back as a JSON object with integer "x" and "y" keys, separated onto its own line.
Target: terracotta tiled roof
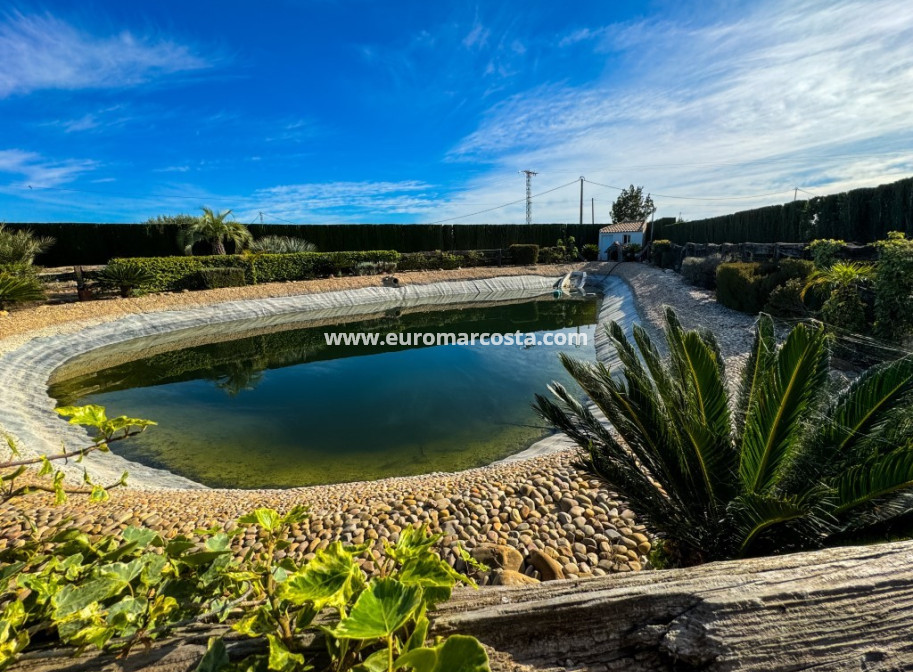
{"x": 624, "y": 227}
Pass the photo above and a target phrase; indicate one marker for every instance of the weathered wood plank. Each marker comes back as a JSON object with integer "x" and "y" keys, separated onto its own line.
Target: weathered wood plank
{"x": 848, "y": 608}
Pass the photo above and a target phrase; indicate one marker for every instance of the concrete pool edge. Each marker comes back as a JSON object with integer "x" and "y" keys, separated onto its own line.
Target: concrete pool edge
{"x": 27, "y": 412}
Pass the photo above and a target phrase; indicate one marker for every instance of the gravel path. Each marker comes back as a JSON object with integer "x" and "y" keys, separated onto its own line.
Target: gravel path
{"x": 558, "y": 522}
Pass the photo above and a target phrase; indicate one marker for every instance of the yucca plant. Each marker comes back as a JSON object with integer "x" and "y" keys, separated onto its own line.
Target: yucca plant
{"x": 216, "y": 228}
{"x": 18, "y": 289}
{"x": 282, "y": 245}
{"x": 789, "y": 463}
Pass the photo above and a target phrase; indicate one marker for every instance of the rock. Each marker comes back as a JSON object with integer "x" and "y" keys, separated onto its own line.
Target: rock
{"x": 508, "y": 577}
{"x": 549, "y": 568}
{"x": 498, "y": 556}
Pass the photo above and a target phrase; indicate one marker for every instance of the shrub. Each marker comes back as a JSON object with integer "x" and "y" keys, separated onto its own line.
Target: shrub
{"x": 824, "y": 251}
{"x": 428, "y": 261}
{"x": 894, "y": 288}
{"x": 661, "y": 254}
{"x": 524, "y": 255}
{"x": 19, "y": 289}
{"x": 746, "y": 286}
{"x": 740, "y": 286}
{"x": 282, "y": 245}
{"x": 786, "y": 300}
{"x": 551, "y": 255}
{"x": 590, "y": 252}
{"x": 630, "y": 251}
{"x": 126, "y": 276}
{"x": 216, "y": 278}
{"x": 701, "y": 271}
{"x": 171, "y": 274}
{"x": 785, "y": 463}
{"x": 567, "y": 249}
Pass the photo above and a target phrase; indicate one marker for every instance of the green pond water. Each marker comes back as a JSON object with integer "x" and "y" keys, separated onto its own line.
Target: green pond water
{"x": 284, "y": 409}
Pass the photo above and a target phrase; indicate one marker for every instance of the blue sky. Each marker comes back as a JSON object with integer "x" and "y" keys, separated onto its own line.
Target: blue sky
{"x": 321, "y": 111}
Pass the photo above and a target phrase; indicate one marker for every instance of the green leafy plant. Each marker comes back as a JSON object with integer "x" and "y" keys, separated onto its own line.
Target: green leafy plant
{"x": 282, "y": 245}
{"x": 524, "y": 255}
{"x": 217, "y": 229}
{"x": 824, "y": 252}
{"x": 590, "y": 251}
{"x": 789, "y": 463}
{"x": 843, "y": 282}
{"x": 19, "y": 289}
{"x": 632, "y": 206}
{"x": 21, "y": 247}
{"x": 894, "y": 288}
{"x": 126, "y": 276}
{"x": 662, "y": 254}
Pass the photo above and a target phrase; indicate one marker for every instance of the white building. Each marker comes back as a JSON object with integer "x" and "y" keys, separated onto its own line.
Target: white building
{"x": 614, "y": 236}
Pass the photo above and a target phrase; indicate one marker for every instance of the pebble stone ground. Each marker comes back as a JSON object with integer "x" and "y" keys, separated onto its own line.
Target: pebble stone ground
{"x": 535, "y": 519}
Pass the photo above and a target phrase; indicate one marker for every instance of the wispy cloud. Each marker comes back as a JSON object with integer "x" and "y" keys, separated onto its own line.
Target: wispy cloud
{"x": 44, "y": 52}
{"x": 787, "y": 94}
{"x": 33, "y": 169}
{"x": 344, "y": 201}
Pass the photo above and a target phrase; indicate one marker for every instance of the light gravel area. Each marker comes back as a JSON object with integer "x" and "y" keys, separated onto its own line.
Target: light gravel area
{"x": 557, "y": 521}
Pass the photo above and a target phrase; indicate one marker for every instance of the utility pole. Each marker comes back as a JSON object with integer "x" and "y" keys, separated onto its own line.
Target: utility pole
{"x": 529, "y": 194}
{"x": 593, "y": 209}
{"x": 261, "y": 218}
{"x": 582, "y": 179}
{"x": 796, "y": 194}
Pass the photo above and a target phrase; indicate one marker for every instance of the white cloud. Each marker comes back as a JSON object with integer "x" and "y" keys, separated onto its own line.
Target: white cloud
{"x": 38, "y": 171}
{"x": 813, "y": 94}
{"x": 43, "y": 52}
{"x": 477, "y": 37}
{"x": 344, "y": 201}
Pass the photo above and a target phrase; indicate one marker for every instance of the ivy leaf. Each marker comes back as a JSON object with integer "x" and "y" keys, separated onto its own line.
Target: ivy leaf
{"x": 142, "y": 536}
{"x": 215, "y": 658}
{"x": 330, "y": 579}
{"x": 283, "y": 660}
{"x": 382, "y": 609}
{"x": 268, "y": 519}
{"x": 89, "y": 416}
{"x": 458, "y": 653}
{"x": 71, "y": 599}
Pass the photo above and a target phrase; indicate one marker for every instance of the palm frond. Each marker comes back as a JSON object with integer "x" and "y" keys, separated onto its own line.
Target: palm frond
{"x": 756, "y": 515}
{"x": 866, "y": 403}
{"x": 762, "y": 356}
{"x": 875, "y": 482}
{"x": 773, "y": 424}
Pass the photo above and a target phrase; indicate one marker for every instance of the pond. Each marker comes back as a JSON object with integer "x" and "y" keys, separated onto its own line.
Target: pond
{"x": 281, "y": 408}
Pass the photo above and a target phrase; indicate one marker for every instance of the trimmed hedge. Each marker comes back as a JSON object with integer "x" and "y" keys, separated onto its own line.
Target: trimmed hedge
{"x": 217, "y": 278}
{"x": 747, "y": 286}
{"x": 524, "y": 255}
{"x": 171, "y": 274}
{"x": 861, "y": 215}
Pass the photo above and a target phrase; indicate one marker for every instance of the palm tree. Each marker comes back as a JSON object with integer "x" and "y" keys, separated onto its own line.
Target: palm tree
{"x": 217, "y": 229}
{"x": 790, "y": 463}
{"x": 844, "y": 307}
{"x": 21, "y": 247}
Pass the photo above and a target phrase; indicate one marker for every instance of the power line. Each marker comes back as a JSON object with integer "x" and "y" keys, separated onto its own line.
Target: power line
{"x": 700, "y": 198}
{"x": 504, "y": 205}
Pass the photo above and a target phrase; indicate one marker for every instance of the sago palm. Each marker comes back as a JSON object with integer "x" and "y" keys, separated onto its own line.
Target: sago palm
{"x": 216, "y": 228}
{"x": 789, "y": 463}
{"x": 18, "y": 289}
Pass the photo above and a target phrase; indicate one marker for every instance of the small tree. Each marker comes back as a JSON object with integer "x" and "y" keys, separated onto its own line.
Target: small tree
{"x": 216, "y": 228}
{"x": 632, "y": 206}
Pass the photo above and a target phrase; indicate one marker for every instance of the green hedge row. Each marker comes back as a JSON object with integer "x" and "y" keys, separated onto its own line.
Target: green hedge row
{"x": 524, "y": 255}
{"x": 748, "y": 286}
{"x": 860, "y": 215}
{"x": 178, "y": 273}
{"x": 98, "y": 243}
